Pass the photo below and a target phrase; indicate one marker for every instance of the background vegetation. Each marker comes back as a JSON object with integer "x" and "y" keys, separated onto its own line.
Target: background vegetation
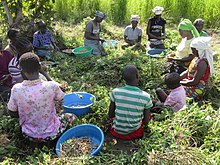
{"x": 119, "y": 11}
{"x": 191, "y": 136}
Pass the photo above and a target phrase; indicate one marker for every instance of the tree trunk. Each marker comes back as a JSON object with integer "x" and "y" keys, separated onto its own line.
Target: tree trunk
{"x": 19, "y": 14}
{"x": 8, "y": 13}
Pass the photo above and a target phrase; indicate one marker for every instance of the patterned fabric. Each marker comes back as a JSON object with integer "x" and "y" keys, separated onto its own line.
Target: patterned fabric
{"x": 133, "y": 34}
{"x": 15, "y": 71}
{"x": 39, "y": 39}
{"x": 5, "y": 58}
{"x": 157, "y": 27}
{"x": 130, "y": 103}
{"x": 197, "y": 91}
{"x": 193, "y": 68}
{"x": 176, "y": 99}
{"x": 66, "y": 120}
{"x": 35, "y": 103}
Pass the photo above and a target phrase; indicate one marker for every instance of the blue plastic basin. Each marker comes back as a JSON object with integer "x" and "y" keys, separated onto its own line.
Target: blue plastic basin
{"x": 78, "y": 103}
{"x": 85, "y": 130}
{"x": 156, "y": 53}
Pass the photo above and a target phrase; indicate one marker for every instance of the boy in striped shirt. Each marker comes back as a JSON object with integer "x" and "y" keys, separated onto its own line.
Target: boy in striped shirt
{"x": 129, "y": 107}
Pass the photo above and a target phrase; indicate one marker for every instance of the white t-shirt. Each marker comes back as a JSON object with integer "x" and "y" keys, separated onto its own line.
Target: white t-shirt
{"x": 131, "y": 33}
{"x": 184, "y": 49}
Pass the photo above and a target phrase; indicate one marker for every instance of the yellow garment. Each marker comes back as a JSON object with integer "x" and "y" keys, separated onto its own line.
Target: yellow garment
{"x": 183, "y": 49}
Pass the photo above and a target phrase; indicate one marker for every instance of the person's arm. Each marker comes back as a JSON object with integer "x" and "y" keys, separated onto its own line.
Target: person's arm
{"x": 163, "y": 30}
{"x": 146, "y": 117}
{"x": 13, "y": 114}
{"x": 12, "y": 105}
{"x": 53, "y": 41}
{"x": 185, "y": 59}
{"x": 111, "y": 112}
{"x": 150, "y": 35}
{"x": 126, "y": 39}
{"x": 201, "y": 69}
{"x": 184, "y": 74}
{"x": 139, "y": 39}
{"x": 45, "y": 74}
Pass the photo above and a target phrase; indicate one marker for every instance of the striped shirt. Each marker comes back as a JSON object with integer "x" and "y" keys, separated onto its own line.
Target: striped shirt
{"x": 15, "y": 71}
{"x": 130, "y": 103}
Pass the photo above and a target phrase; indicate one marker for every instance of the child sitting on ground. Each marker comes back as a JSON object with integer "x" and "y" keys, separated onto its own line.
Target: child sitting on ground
{"x": 177, "y": 97}
{"x": 33, "y": 102}
{"x": 129, "y": 107}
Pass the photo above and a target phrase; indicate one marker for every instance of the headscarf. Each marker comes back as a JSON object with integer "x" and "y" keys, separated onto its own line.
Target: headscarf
{"x": 101, "y": 15}
{"x": 186, "y": 24}
{"x": 203, "y": 46}
{"x": 198, "y": 21}
{"x": 135, "y": 18}
{"x": 158, "y": 10}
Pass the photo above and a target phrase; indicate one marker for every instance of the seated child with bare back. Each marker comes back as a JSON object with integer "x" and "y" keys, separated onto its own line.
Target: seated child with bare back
{"x": 177, "y": 97}
{"x": 129, "y": 107}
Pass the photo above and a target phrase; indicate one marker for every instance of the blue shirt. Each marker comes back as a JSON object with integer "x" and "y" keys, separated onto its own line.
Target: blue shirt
{"x": 42, "y": 39}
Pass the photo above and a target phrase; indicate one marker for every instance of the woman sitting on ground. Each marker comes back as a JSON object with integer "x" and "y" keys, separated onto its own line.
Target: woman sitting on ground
{"x": 92, "y": 31}
{"x": 198, "y": 23}
{"x": 5, "y": 78}
{"x": 33, "y": 102}
{"x": 195, "y": 79}
{"x": 133, "y": 34}
{"x": 156, "y": 29}
{"x": 183, "y": 55}
{"x": 13, "y": 35}
{"x": 23, "y": 46}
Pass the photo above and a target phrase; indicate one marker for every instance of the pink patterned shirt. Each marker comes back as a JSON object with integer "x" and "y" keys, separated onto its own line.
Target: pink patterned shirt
{"x": 176, "y": 99}
{"x": 35, "y": 103}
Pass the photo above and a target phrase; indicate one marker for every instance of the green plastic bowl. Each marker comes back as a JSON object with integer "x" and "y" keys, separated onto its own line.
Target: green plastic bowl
{"x": 82, "y": 51}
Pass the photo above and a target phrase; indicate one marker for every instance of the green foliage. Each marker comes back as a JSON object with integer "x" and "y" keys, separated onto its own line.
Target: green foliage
{"x": 190, "y": 136}
{"x": 119, "y": 11}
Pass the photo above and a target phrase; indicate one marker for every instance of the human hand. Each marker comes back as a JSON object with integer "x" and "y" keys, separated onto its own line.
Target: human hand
{"x": 102, "y": 40}
{"x": 169, "y": 59}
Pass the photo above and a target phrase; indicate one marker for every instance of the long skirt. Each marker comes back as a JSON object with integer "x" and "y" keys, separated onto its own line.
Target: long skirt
{"x": 97, "y": 48}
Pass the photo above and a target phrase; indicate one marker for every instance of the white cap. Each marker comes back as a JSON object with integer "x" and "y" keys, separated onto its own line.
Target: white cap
{"x": 135, "y": 18}
{"x": 158, "y": 10}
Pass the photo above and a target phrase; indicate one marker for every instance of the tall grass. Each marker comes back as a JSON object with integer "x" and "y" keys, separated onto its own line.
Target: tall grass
{"x": 119, "y": 11}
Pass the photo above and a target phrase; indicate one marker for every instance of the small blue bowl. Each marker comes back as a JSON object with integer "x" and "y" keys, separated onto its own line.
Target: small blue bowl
{"x": 156, "y": 53}
{"x": 78, "y": 103}
{"x": 84, "y": 130}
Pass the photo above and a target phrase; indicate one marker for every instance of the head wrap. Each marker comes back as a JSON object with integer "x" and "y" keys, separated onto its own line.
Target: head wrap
{"x": 203, "y": 46}
{"x": 101, "y": 15}
{"x": 198, "y": 21}
{"x": 186, "y": 24}
{"x": 135, "y": 18}
{"x": 158, "y": 10}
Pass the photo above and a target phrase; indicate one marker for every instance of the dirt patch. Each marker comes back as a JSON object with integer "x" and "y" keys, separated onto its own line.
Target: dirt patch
{"x": 117, "y": 146}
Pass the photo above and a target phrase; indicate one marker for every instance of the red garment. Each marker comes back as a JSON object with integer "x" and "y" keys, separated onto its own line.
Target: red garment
{"x": 193, "y": 67}
{"x": 5, "y": 58}
{"x": 134, "y": 135}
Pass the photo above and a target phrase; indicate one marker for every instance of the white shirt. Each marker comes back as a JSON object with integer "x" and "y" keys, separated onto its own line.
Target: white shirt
{"x": 131, "y": 33}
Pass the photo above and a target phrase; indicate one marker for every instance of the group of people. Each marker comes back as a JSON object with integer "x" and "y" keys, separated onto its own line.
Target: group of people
{"x": 33, "y": 93}
{"x": 130, "y": 107}
{"x": 30, "y": 91}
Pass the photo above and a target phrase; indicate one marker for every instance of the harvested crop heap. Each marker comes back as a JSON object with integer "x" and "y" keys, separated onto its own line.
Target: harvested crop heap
{"x": 76, "y": 147}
